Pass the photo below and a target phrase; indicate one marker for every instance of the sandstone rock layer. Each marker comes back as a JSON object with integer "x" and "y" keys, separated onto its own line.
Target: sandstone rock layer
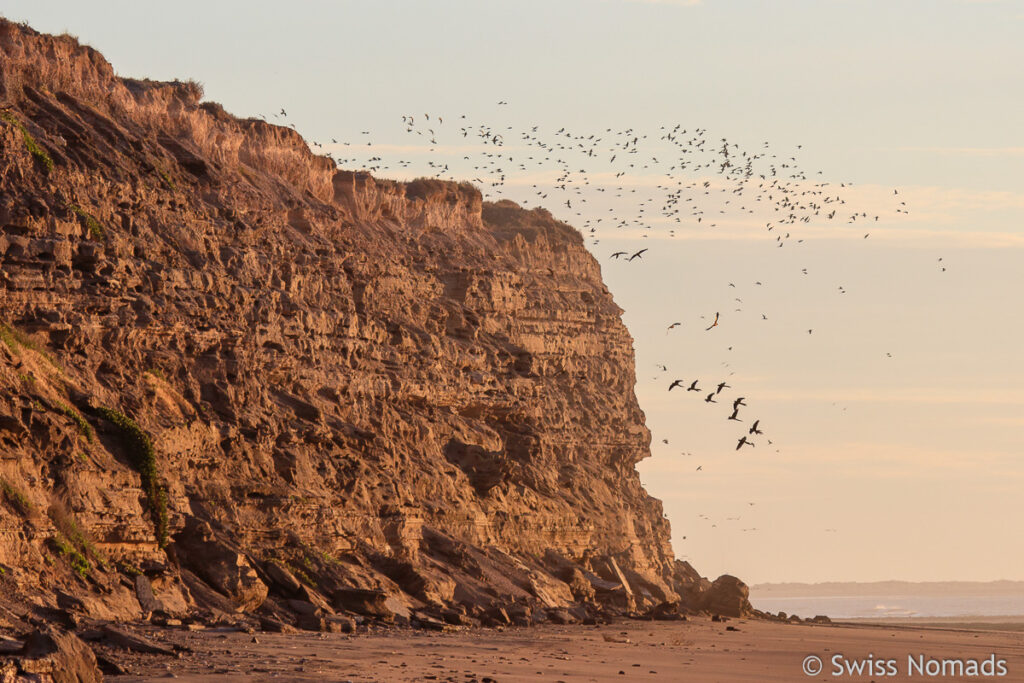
{"x": 275, "y": 387}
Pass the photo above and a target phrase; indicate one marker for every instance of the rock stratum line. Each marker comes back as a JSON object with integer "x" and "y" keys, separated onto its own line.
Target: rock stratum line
{"x": 364, "y": 400}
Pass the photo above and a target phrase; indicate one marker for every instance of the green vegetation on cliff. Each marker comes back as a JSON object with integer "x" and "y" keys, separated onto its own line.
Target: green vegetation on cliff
{"x": 37, "y": 152}
{"x": 143, "y": 458}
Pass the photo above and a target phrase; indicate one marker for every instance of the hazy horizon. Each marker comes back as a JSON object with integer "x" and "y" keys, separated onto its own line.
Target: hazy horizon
{"x": 897, "y": 424}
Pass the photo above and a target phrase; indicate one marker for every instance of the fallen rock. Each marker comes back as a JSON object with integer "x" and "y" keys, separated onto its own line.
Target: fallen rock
{"x": 110, "y": 666}
{"x": 144, "y": 593}
{"x": 311, "y": 622}
{"x": 582, "y": 589}
{"x": 429, "y": 623}
{"x": 10, "y": 646}
{"x": 560, "y": 616}
{"x": 129, "y": 641}
{"x": 272, "y": 625}
{"x": 60, "y": 656}
{"x": 282, "y": 578}
{"x": 204, "y": 595}
{"x": 371, "y": 603}
{"x": 497, "y": 616}
{"x": 341, "y": 624}
{"x": 666, "y": 611}
{"x": 304, "y": 608}
{"x": 727, "y": 596}
{"x": 225, "y": 569}
{"x": 70, "y": 602}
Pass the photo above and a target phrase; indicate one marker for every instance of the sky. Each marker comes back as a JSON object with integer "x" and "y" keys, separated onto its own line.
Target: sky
{"x": 897, "y": 425}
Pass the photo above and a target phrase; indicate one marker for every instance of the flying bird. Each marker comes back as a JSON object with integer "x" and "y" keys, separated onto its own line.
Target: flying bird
{"x": 743, "y": 442}
{"x": 677, "y": 383}
{"x": 618, "y": 254}
{"x": 638, "y": 254}
{"x": 754, "y": 429}
{"x": 714, "y": 324}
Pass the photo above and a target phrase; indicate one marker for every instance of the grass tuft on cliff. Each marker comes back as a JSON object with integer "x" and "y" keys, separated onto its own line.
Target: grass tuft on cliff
{"x": 92, "y": 225}
{"x": 143, "y": 457}
{"x": 16, "y": 340}
{"x": 37, "y": 152}
{"x": 71, "y": 541}
{"x": 78, "y": 561}
{"x": 83, "y": 427}
{"x": 16, "y": 498}
{"x": 167, "y": 180}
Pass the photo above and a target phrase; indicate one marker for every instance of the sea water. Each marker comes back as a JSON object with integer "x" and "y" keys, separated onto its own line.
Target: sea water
{"x": 893, "y": 606}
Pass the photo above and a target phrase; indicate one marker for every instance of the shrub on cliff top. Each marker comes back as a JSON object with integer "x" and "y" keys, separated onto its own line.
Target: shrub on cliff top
{"x": 143, "y": 458}
{"x": 37, "y": 152}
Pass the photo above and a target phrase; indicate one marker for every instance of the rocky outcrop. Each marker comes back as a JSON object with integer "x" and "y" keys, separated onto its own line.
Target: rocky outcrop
{"x": 259, "y": 381}
{"x": 727, "y": 596}
{"x": 54, "y": 656}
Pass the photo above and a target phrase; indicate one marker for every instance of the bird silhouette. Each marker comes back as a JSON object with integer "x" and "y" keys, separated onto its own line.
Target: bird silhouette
{"x": 699, "y": 168}
{"x": 693, "y": 387}
{"x": 677, "y": 383}
{"x": 743, "y": 442}
{"x": 754, "y": 429}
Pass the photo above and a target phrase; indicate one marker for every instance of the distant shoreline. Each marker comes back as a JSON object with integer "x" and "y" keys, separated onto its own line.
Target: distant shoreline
{"x": 882, "y": 588}
{"x": 893, "y": 602}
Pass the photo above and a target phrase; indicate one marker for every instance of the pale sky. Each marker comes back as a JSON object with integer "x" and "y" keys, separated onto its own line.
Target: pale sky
{"x": 904, "y": 466}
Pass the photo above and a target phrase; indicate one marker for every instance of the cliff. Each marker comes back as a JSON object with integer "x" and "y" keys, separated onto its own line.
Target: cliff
{"x": 235, "y": 380}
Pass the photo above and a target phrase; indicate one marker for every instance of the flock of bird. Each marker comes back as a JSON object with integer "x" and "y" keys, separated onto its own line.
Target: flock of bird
{"x": 627, "y": 182}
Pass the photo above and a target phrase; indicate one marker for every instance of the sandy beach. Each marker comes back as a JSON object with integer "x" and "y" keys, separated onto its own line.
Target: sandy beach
{"x": 697, "y": 650}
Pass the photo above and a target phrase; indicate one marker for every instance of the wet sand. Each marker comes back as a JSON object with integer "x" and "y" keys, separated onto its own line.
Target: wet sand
{"x": 697, "y": 650}
{"x": 1006, "y": 623}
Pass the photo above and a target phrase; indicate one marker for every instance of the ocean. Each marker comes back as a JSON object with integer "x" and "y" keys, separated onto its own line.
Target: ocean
{"x": 893, "y": 606}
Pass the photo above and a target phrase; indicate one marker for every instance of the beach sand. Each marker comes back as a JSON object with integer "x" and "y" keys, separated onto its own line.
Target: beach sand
{"x": 696, "y": 650}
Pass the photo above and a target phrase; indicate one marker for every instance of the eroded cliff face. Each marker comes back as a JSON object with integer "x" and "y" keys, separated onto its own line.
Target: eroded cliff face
{"x": 348, "y": 383}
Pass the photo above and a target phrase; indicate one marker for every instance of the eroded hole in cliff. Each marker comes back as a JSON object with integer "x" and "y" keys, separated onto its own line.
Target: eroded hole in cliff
{"x": 485, "y": 469}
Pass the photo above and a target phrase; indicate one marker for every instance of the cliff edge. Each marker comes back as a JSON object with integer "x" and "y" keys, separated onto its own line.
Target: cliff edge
{"x": 238, "y": 384}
